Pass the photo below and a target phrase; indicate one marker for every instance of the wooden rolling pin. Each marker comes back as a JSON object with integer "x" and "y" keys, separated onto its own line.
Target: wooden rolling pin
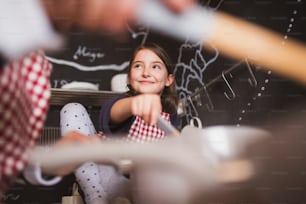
{"x": 231, "y": 36}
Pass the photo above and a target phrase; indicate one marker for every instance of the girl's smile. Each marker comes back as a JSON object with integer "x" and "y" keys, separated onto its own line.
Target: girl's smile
{"x": 146, "y": 82}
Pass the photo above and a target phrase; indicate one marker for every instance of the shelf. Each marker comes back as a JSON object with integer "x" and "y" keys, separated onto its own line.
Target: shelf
{"x": 60, "y": 97}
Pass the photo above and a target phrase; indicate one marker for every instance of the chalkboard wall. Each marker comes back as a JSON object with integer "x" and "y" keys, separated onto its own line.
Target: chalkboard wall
{"x": 225, "y": 87}
{"x": 216, "y": 89}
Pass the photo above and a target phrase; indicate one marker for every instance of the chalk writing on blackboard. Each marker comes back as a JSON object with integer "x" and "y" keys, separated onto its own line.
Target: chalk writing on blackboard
{"x": 84, "y": 52}
{"x": 11, "y": 197}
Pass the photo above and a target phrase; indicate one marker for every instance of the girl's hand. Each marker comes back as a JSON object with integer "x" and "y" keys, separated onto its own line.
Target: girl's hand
{"x": 147, "y": 106}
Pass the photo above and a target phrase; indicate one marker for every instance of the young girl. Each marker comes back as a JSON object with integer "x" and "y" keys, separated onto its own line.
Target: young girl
{"x": 152, "y": 93}
{"x": 132, "y": 115}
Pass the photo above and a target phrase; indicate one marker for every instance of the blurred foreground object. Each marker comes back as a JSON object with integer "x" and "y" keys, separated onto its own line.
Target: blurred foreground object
{"x": 231, "y": 36}
{"x": 196, "y": 161}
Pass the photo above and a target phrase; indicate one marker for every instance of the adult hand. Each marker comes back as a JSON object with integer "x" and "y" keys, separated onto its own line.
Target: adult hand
{"x": 101, "y": 15}
{"x": 73, "y": 138}
{"x": 179, "y": 5}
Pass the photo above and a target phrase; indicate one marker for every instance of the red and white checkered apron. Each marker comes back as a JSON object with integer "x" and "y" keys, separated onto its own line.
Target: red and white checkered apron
{"x": 25, "y": 92}
{"x": 142, "y": 132}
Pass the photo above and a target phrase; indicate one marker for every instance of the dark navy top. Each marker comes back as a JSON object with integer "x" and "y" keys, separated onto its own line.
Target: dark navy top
{"x": 124, "y": 127}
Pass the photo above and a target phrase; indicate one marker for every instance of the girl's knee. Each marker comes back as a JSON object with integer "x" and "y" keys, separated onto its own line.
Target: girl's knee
{"x": 74, "y": 116}
{"x": 72, "y": 107}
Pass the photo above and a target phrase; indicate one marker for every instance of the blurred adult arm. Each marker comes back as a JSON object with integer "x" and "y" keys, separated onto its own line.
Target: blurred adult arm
{"x": 33, "y": 172}
{"x": 28, "y": 25}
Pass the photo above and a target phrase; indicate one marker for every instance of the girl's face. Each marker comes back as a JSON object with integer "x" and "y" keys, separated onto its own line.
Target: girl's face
{"x": 148, "y": 73}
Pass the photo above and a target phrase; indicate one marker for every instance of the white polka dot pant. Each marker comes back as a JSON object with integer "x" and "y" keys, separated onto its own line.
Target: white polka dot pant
{"x": 74, "y": 116}
{"x": 100, "y": 183}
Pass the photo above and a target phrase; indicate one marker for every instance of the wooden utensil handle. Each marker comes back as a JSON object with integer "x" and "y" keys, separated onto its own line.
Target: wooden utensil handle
{"x": 241, "y": 40}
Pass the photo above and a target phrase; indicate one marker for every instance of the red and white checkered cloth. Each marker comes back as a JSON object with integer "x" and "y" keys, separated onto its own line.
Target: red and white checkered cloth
{"x": 25, "y": 92}
{"x": 142, "y": 132}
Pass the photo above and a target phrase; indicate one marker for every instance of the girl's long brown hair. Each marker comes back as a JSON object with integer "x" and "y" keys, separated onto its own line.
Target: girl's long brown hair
{"x": 169, "y": 98}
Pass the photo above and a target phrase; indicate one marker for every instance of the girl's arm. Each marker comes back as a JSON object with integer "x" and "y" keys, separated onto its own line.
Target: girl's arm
{"x": 146, "y": 106}
{"x": 121, "y": 110}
